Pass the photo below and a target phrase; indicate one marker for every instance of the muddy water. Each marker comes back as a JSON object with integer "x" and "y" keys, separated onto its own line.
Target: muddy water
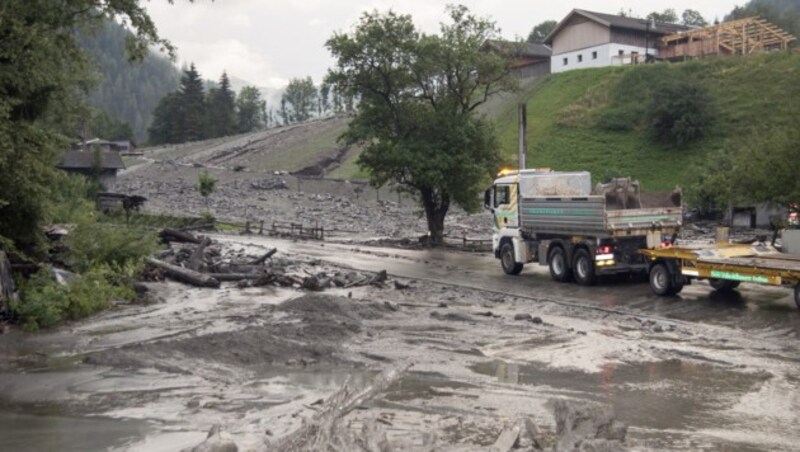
{"x": 37, "y": 432}
{"x": 769, "y": 310}
{"x": 653, "y": 398}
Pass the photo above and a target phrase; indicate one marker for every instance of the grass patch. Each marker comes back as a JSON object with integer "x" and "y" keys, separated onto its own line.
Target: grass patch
{"x": 591, "y": 119}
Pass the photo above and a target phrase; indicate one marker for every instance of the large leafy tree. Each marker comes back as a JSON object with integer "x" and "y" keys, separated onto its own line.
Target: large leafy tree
{"x": 301, "y": 97}
{"x": 418, "y": 95}
{"x": 540, "y": 31}
{"x": 667, "y": 16}
{"x": 693, "y": 18}
{"x": 251, "y": 110}
{"x": 43, "y": 77}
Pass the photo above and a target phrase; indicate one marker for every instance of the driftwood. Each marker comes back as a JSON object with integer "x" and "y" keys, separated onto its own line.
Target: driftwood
{"x": 7, "y": 290}
{"x": 264, "y": 258}
{"x": 321, "y": 431}
{"x": 184, "y": 274}
{"x": 507, "y": 440}
{"x": 174, "y": 235}
{"x": 197, "y": 255}
{"x": 237, "y": 276}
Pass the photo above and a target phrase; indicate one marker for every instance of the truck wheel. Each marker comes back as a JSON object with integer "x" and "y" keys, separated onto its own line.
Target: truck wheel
{"x": 584, "y": 268}
{"x": 559, "y": 270}
{"x": 723, "y": 285}
{"x": 661, "y": 280}
{"x": 510, "y": 266}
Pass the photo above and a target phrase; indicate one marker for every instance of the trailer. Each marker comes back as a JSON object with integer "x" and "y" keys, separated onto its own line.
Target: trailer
{"x": 725, "y": 266}
{"x": 556, "y": 219}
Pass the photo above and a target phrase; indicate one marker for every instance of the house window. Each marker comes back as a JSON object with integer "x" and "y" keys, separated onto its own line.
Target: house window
{"x": 621, "y": 53}
{"x": 580, "y": 58}
{"x": 594, "y": 55}
{"x": 566, "y": 61}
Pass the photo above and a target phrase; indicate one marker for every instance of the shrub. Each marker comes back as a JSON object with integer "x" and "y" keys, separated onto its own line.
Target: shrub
{"x": 679, "y": 112}
{"x": 44, "y": 302}
{"x": 96, "y": 244}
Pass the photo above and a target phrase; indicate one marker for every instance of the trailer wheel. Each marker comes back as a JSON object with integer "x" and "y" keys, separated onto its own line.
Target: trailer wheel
{"x": 723, "y": 285}
{"x": 507, "y": 261}
{"x": 559, "y": 269}
{"x": 797, "y": 295}
{"x": 661, "y": 280}
{"x": 584, "y": 268}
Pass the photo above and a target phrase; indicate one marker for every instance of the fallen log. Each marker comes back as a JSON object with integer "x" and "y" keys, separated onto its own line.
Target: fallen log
{"x": 184, "y": 274}
{"x": 236, "y": 276}
{"x": 174, "y": 235}
{"x": 264, "y": 258}
{"x": 197, "y": 256}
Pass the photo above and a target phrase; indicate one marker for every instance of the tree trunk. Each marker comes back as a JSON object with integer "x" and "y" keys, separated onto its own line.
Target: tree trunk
{"x": 436, "y": 205}
{"x": 7, "y": 290}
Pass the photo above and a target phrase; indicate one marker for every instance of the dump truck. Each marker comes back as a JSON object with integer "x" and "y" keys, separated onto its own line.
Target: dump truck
{"x": 558, "y": 220}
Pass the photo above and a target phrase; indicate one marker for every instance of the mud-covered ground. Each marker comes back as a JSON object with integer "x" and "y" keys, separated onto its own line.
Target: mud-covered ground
{"x": 484, "y": 349}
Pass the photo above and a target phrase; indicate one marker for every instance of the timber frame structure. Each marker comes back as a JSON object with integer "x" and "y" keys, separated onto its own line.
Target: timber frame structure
{"x": 738, "y": 37}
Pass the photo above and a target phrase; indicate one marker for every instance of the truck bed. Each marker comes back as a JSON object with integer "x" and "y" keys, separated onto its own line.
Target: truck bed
{"x": 589, "y": 215}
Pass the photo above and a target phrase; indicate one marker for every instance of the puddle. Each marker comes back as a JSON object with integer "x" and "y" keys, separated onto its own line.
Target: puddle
{"x": 423, "y": 385}
{"x": 33, "y": 432}
{"x": 666, "y": 395}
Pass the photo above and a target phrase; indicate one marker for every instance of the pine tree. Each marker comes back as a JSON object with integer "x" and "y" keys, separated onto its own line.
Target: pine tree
{"x": 164, "y": 128}
{"x": 221, "y": 109}
{"x": 191, "y": 113}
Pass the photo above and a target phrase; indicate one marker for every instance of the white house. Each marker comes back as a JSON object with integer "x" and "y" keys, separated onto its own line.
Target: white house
{"x": 587, "y": 39}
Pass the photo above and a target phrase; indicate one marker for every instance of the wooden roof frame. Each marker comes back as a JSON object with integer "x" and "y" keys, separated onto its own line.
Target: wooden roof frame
{"x": 742, "y": 36}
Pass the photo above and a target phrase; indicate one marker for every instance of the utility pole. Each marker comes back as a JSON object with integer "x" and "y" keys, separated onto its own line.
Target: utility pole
{"x": 523, "y": 125}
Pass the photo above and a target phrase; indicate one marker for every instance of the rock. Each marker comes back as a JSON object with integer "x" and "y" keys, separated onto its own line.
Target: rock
{"x": 537, "y": 320}
{"x": 391, "y": 306}
{"x": 583, "y": 422}
{"x": 526, "y": 317}
{"x": 658, "y": 329}
{"x": 215, "y": 442}
{"x": 400, "y": 285}
{"x": 63, "y": 277}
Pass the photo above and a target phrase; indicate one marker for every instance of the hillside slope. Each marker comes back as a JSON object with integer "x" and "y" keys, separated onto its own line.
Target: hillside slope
{"x": 565, "y": 112}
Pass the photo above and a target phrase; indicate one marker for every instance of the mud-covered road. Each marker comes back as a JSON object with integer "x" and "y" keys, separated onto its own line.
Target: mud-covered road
{"x": 699, "y": 371}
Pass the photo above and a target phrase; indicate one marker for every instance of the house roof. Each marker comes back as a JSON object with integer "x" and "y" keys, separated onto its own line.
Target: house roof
{"x": 521, "y": 49}
{"x": 85, "y": 160}
{"x": 614, "y": 21}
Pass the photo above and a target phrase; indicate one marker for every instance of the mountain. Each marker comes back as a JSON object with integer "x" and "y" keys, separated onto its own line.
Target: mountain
{"x": 127, "y": 91}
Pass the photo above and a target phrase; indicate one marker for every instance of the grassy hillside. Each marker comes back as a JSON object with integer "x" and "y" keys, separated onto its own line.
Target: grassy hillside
{"x": 567, "y": 115}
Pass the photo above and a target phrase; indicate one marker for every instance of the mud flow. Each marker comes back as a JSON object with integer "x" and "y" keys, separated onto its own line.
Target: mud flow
{"x": 447, "y": 353}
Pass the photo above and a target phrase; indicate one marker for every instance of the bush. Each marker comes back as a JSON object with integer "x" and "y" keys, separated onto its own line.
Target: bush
{"x": 95, "y": 244}
{"x": 679, "y": 112}
{"x": 44, "y": 302}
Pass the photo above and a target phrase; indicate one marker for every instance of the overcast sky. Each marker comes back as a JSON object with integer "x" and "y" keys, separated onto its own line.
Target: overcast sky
{"x": 268, "y": 42}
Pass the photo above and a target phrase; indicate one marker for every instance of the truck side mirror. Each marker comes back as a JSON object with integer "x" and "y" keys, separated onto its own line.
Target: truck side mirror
{"x": 487, "y": 199}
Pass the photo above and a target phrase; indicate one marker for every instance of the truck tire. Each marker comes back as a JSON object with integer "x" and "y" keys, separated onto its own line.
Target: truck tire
{"x": 559, "y": 268}
{"x": 583, "y": 268}
{"x": 507, "y": 261}
{"x": 661, "y": 281}
{"x": 723, "y": 285}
